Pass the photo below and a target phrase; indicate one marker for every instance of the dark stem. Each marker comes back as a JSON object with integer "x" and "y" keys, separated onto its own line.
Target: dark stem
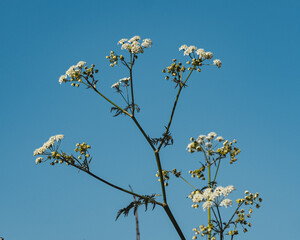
{"x": 143, "y": 132}
{"x": 161, "y": 177}
{"x": 131, "y": 86}
{"x": 172, "y": 114}
{"x": 138, "y": 235}
{"x": 114, "y": 186}
{"x": 220, "y": 225}
{"x": 174, "y": 107}
{"x": 170, "y": 215}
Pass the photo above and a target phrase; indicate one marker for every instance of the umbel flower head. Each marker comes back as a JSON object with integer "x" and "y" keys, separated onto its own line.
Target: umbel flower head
{"x": 50, "y": 151}
{"x": 198, "y": 55}
{"x": 74, "y": 72}
{"x": 79, "y": 74}
{"x": 212, "y": 197}
{"x": 123, "y": 82}
{"x": 47, "y": 145}
{"x": 210, "y": 145}
{"x": 133, "y": 45}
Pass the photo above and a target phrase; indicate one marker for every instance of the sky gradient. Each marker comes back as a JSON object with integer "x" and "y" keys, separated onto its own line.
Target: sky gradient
{"x": 254, "y": 98}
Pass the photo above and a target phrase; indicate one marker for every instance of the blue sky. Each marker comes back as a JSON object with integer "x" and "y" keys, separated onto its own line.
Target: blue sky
{"x": 254, "y": 98}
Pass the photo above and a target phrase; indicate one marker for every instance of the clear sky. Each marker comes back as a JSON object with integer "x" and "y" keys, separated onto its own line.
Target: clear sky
{"x": 254, "y": 98}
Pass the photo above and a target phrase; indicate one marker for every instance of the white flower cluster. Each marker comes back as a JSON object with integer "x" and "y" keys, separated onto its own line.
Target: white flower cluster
{"x": 116, "y": 85}
{"x": 200, "y": 53}
{"x": 125, "y": 81}
{"x": 203, "y": 139}
{"x": 72, "y": 71}
{"x": 212, "y": 197}
{"x": 47, "y": 145}
{"x": 218, "y": 63}
{"x": 134, "y": 46}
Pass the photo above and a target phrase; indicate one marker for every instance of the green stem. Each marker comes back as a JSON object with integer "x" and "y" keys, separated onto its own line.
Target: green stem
{"x": 188, "y": 182}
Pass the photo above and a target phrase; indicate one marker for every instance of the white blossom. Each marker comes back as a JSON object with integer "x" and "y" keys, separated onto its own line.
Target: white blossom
{"x": 198, "y": 197}
{"x": 212, "y": 135}
{"x": 135, "y": 47}
{"x": 209, "y": 55}
{"x": 48, "y": 144}
{"x": 147, "y": 43}
{"x": 207, "y": 205}
{"x": 125, "y": 46}
{"x": 208, "y": 144}
{"x": 183, "y": 47}
{"x": 134, "y": 39}
{"x": 208, "y": 193}
{"x": 189, "y": 50}
{"x": 71, "y": 71}
{"x": 116, "y": 85}
{"x": 218, "y": 63}
{"x": 38, "y": 160}
{"x": 218, "y": 191}
{"x": 219, "y": 139}
{"x": 80, "y": 64}
{"x": 125, "y": 81}
{"x": 63, "y": 78}
{"x": 211, "y": 197}
{"x": 122, "y": 41}
{"x": 59, "y": 137}
{"x": 200, "y": 52}
{"x": 201, "y": 137}
{"x": 228, "y": 190}
{"x": 226, "y": 202}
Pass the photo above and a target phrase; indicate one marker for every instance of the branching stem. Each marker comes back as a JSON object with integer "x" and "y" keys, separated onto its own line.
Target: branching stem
{"x": 174, "y": 107}
{"x": 114, "y": 186}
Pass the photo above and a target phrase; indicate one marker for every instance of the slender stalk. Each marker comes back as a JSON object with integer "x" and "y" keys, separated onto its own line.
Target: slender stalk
{"x": 114, "y": 186}
{"x": 220, "y": 224}
{"x": 209, "y": 214}
{"x": 143, "y": 132}
{"x": 95, "y": 89}
{"x": 111, "y": 102}
{"x": 170, "y": 215}
{"x": 124, "y": 98}
{"x": 174, "y": 107}
{"x": 127, "y": 95}
{"x": 221, "y": 229}
{"x": 233, "y": 215}
{"x": 188, "y": 182}
{"x": 217, "y": 170}
{"x": 131, "y": 85}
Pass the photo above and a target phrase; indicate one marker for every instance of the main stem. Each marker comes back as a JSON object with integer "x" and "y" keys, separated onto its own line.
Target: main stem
{"x": 161, "y": 176}
{"x": 158, "y": 163}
